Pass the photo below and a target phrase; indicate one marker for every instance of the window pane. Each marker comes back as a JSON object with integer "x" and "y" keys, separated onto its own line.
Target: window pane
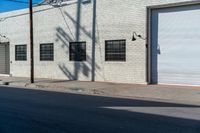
{"x": 20, "y": 52}
{"x": 46, "y": 52}
{"x": 77, "y": 51}
{"x": 115, "y": 50}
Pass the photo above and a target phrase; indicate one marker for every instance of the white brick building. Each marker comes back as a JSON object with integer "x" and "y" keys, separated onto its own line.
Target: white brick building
{"x": 96, "y": 23}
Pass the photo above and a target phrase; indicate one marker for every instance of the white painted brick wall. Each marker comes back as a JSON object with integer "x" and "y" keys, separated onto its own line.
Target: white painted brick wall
{"x": 116, "y": 19}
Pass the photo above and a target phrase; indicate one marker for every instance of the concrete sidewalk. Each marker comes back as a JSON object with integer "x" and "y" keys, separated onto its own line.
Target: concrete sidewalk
{"x": 183, "y": 94}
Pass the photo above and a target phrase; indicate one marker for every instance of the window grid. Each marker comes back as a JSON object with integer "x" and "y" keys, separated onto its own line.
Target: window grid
{"x": 20, "y": 52}
{"x": 77, "y": 51}
{"x": 115, "y": 50}
{"x": 46, "y": 52}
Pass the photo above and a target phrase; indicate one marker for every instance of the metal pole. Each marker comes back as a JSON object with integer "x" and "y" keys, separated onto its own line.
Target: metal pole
{"x": 31, "y": 42}
{"x": 93, "y": 40}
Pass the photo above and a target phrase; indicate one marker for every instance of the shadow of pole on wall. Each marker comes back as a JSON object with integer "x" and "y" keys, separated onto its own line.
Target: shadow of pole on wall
{"x": 78, "y": 20}
{"x": 77, "y": 36}
{"x": 88, "y": 67}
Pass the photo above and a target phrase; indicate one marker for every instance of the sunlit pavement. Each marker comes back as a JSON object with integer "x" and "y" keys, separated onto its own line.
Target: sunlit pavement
{"x": 36, "y": 111}
{"x": 183, "y": 94}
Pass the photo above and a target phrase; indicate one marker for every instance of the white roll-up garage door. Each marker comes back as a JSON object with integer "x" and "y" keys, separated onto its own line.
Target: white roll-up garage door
{"x": 2, "y": 59}
{"x": 175, "y": 44}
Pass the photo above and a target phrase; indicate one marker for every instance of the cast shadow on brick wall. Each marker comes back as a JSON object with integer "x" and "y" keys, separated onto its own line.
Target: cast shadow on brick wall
{"x": 89, "y": 66}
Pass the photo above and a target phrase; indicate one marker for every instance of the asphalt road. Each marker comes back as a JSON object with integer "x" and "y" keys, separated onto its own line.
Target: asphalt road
{"x": 34, "y": 111}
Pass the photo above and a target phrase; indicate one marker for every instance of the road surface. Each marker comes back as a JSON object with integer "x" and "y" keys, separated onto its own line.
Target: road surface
{"x": 36, "y": 111}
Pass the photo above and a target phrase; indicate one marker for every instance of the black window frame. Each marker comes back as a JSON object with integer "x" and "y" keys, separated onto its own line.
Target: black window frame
{"x": 118, "y": 55}
{"x": 81, "y": 53}
{"x": 49, "y": 56}
{"x": 23, "y": 56}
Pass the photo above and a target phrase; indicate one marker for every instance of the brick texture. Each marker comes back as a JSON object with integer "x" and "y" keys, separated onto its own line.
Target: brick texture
{"x": 115, "y": 19}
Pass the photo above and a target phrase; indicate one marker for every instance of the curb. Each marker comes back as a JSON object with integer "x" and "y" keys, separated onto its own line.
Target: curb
{"x": 4, "y": 82}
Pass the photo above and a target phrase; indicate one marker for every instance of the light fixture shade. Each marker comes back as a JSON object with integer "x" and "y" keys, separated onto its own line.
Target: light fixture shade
{"x": 133, "y": 38}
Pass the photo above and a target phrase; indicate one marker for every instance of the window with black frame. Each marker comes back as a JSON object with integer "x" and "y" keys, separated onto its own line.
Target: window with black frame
{"x": 115, "y": 50}
{"x": 20, "y": 52}
{"x": 77, "y": 51}
{"x": 46, "y": 52}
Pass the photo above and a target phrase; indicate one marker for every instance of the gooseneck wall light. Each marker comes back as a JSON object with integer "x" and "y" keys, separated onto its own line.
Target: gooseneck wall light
{"x": 135, "y": 36}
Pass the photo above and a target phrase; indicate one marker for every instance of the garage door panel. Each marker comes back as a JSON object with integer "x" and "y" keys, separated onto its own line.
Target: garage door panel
{"x": 2, "y": 59}
{"x": 179, "y": 79}
{"x": 176, "y": 35}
